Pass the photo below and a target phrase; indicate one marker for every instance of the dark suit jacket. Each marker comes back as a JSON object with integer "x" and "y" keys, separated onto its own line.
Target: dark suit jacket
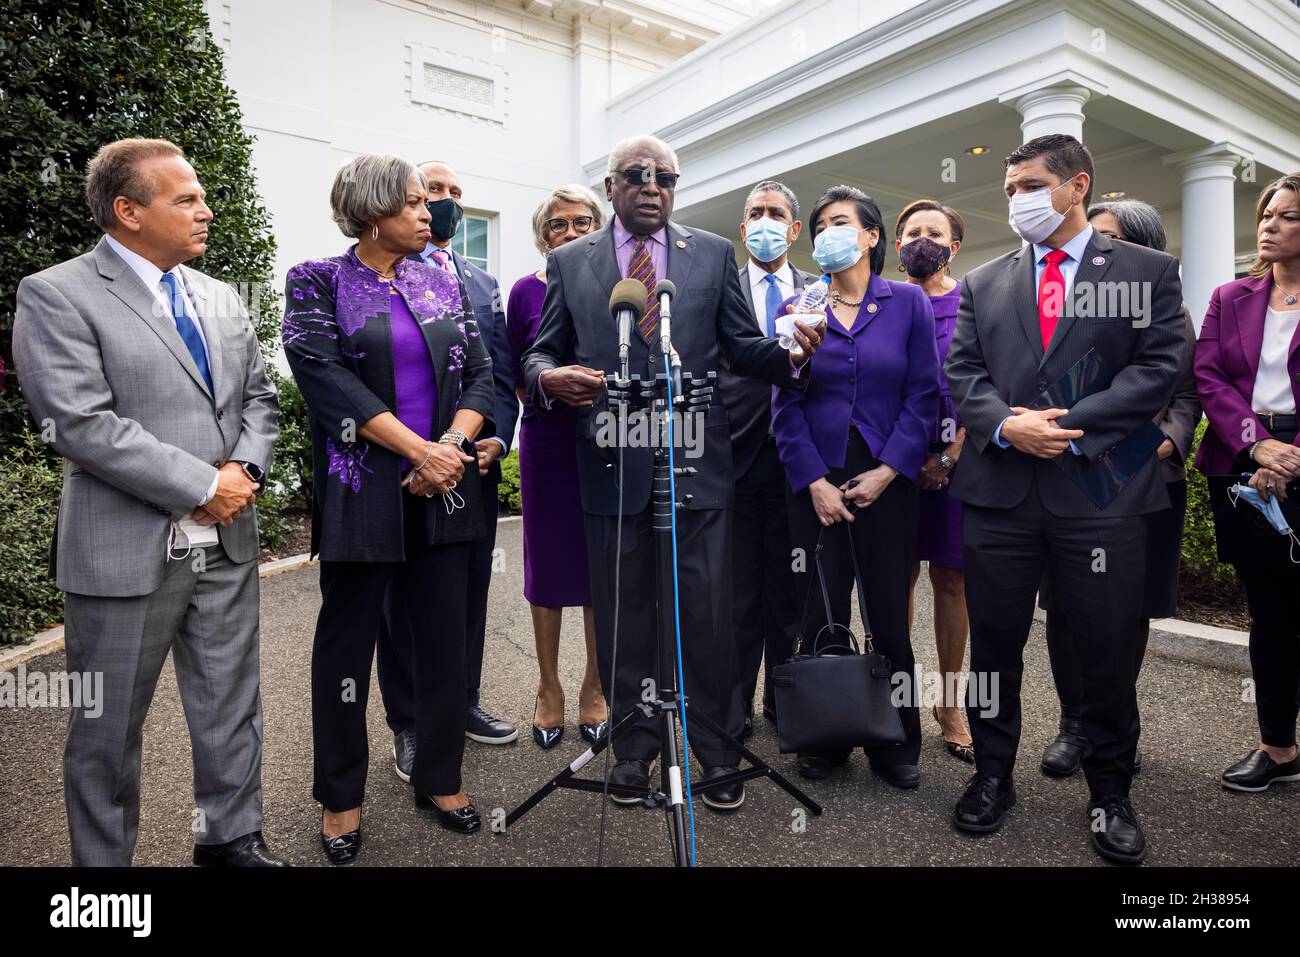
{"x": 484, "y": 295}
{"x": 1227, "y": 361}
{"x": 339, "y": 344}
{"x": 997, "y": 361}
{"x": 749, "y": 401}
{"x": 711, "y": 322}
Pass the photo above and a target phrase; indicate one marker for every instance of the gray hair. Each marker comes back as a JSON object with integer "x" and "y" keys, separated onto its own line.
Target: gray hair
{"x": 571, "y": 193}
{"x": 772, "y": 186}
{"x": 114, "y": 171}
{"x": 1138, "y": 221}
{"x": 369, "y": 188}
{"x": 625, "y": 147}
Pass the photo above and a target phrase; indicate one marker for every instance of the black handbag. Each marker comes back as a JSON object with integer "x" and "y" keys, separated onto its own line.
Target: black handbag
{"x": 833, "y": 697}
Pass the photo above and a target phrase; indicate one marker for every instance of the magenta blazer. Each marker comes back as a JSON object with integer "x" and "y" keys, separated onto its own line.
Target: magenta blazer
{"x": 1227, "y": 361}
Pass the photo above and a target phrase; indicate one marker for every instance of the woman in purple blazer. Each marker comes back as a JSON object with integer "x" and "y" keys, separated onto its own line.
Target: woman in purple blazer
{"x": 1248, "y": 377}
{"x": 856, "y": 438}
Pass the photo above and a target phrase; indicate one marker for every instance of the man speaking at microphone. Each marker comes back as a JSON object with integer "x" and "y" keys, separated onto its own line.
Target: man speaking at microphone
{"x": 577, "y": 346}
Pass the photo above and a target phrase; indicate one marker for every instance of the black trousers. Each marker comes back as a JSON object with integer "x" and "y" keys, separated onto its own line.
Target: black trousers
{"x": 431, "y": 587}
{"x": 708, "y": 650}
{"x": 1271, "y": 592}
{"x": 763, "y": 609}
{"x": 1098, "y": 567}
{"x": 884, "y": 536}
{"x": 395, "y": 686}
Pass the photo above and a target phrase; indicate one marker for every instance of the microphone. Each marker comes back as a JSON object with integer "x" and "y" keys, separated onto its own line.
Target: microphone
{"x": 627, "y": 306}
{"x": 664, "y": 291}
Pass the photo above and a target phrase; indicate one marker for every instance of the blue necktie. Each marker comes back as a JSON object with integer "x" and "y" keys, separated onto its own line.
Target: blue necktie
{"x": 187, "y": 327}
{"x": 773, "y": 303}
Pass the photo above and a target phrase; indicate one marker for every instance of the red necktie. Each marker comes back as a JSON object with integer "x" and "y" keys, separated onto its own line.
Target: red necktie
{"x": 443, "y": 259}
{"x": 642, "y": 269}
{"x": 1051, "y": 294}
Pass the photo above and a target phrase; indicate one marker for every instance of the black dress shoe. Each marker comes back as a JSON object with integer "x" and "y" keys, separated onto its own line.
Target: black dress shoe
{"x": 633, "y": 774}
{"x": 1256, "y": 771}
{"x": 902, "y": 776}
{"x": 722, "y": 797}
{"x": 463, "y": 820}
{"x": 488, "y": 729}
{"x": 1064, "y": 756}
{"x": 817, "y": 766}
{"x": 981, "y": 808}
{"x": 404, "y": 754}
{"x": 247, "y": 851}
{"x": 1137, "y": 761}
{"x": 747, "y": 730}
{"x": 593, "y": 732}
{"x": 342, "y": 849}
{"x": 1114, "y": 830}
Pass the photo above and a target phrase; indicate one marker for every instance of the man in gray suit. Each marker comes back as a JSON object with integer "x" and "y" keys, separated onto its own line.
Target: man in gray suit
{"x": 148, "y": 380}
{"x": 1026, "y": 320}
{"x": 761, "y": 578}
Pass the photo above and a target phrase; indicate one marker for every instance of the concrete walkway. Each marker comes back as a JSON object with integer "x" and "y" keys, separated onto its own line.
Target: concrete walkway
{"x": 1194, "y": 724}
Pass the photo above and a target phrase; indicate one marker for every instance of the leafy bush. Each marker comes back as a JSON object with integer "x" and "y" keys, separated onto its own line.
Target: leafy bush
{"x": 29, "y": 483}
{"x": 74, "y": 75}
{"x": 1200, "y": 563}
{"x": 508, "y": 490}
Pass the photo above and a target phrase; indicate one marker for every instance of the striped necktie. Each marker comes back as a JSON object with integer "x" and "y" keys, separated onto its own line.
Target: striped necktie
{"x": 642, "y": 269}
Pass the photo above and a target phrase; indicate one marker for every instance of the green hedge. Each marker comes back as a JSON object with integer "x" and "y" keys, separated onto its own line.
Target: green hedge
{"x": 508, "y": 490}
{"x": 29, "y": 493}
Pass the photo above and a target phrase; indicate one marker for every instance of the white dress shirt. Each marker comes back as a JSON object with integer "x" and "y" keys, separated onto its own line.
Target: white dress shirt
{"x": 151, "y": 276}
{"x": 758, "y": 288}
{"x": 1273, "y": 380}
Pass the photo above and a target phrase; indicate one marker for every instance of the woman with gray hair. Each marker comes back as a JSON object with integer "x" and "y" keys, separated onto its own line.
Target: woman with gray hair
{"x": 398, "y": 383}
{"x": 555, "y": 547}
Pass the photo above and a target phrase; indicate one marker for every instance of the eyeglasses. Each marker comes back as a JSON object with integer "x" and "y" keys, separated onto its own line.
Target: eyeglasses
{"x": 639, "y": 177}
{"x": 581, "y": 224}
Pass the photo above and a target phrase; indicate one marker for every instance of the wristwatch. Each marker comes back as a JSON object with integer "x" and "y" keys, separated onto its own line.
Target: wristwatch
{"x": 255, "y": 473}
{"x": 947, "y": 462}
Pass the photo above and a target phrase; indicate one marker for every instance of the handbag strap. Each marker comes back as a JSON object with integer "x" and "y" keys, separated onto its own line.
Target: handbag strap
{"x": 820, "y": 581}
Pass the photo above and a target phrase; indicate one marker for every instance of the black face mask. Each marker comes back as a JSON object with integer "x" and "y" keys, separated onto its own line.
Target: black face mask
{"x": 923, "y": 257}
{"x": 447, "y": 215}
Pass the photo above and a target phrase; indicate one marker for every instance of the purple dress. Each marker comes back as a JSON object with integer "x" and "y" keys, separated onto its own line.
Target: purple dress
{"x": 938, "y": 529}
{"x": 413, "y": 376}
{"x": 555, "y": 544}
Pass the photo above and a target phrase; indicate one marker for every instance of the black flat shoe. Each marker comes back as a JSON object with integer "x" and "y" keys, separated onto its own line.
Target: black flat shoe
{"x": 1064, "y": 756}
{"x": 815, "y": 767}
{"x": 463, "y": 820}
{"x": 246, "y": 851}
{"x": 591, "y": 732}
{"x": 486, "y": 728}
{"x": 343, "y": 849}
{"x": 632, "y": 773}
{"x": 722, "y": 797}
{"x": 984, "y": 804}
{"x": 1256, "y": 771}
{"x": 1114, "y": 830}
{"x": 905, "y": 777}
{"x": 404, "y": 754}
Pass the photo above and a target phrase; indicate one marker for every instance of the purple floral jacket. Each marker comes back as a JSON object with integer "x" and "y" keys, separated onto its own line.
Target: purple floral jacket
{"x": 338, "y": 340}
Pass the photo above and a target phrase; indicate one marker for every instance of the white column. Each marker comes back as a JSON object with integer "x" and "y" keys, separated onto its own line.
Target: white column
{"x": 1050, "y": 109}
{"x": 1209, "y": 235}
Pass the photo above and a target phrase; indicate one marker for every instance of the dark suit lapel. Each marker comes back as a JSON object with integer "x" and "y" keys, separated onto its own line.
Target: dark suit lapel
{"x": 1024, "y": 298}
{"x": 126, "y": 286}
{"x": 744, "y": 284}
{"x": 1095, "y": 261}
{"x": 681, "y": 258}
{"x": 1251, "y": 310}
{"x": 601, "y": 258}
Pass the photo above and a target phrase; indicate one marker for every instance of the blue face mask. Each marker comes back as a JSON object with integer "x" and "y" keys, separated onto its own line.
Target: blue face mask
{"x": 836, "y": 248}
{"x": 1270, "y": 508}
{"x": 765, "y": 239}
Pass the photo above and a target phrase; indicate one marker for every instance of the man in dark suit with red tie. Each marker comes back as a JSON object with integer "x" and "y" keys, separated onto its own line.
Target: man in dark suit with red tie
{"x": 1024, "y": 322}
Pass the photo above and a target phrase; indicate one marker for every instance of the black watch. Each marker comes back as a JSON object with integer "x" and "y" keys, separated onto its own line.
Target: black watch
{"x": 255, "y": 473}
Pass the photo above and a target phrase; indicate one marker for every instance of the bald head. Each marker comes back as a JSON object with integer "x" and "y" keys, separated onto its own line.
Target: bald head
{"x": 443, "y": 181}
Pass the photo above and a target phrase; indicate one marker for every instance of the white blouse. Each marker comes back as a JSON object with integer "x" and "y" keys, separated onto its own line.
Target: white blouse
{"x": 1273, "y": 381}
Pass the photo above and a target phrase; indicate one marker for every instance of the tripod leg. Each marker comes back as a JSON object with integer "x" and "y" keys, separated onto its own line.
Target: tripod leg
{"x": 579, "y": 763}
{"x": 756, "y": 761}
{"x": 671, "y": 777}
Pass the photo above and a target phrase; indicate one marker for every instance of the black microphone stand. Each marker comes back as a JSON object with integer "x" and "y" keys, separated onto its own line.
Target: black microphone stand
{"x": 693, "y": 396}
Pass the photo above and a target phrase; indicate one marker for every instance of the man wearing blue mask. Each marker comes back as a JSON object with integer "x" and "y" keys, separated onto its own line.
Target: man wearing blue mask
{"x": 1025, "y": 320}
{"x": 762, "y": 611}
{"x": 446, "y": 213}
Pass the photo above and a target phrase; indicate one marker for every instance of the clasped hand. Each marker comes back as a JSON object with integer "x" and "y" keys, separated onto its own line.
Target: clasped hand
{"x": 235, "y": 492}
{"x": 444, "y": 468}
{"x": 1036, "y": 432}
{"x": 831, "y": 503}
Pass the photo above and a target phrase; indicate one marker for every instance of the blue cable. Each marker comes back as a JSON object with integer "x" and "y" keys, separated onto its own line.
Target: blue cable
{"x": 677, "y": 615}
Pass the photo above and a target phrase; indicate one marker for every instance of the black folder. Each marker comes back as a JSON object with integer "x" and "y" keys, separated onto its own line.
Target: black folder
{"x": 1101, "y": 480}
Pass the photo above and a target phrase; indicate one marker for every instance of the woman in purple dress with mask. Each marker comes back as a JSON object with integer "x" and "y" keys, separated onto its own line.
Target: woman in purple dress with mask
{"x": 555, "y": 546}
{"x": 927, "y": 236}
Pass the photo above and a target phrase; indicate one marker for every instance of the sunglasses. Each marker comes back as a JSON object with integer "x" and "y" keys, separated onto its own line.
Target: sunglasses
{"x": 640, "y": 177}
{"x": 581, "y": 224}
